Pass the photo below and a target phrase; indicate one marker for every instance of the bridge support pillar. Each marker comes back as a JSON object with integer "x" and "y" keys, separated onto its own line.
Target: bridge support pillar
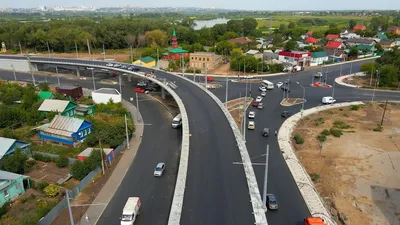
{"x": 162, "y": 93}
{"x": 78, "y": 73}
{"x": 34, "y": 67}
{"x": 129, "y": 78}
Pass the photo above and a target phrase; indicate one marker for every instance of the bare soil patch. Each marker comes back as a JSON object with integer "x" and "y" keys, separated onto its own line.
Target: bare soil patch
{"x": 291, "y": 101}
{"x": 223, "y": 69}
{"x": 359, "y": 172}
{"x": 48, "y": 172}
{"x": 235, "y": 107}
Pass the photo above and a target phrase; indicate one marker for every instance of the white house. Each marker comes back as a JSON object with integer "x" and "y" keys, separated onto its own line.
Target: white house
{"x": 256, "y": 53}
{"x": 103, "y": 95}
{"x": 318, "y": 58}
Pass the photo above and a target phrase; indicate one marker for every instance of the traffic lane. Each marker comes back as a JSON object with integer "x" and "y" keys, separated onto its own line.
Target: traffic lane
{"x": 216, "y": 190}
{"x": 160, "y": 143}
{"x": 280, "y": 180}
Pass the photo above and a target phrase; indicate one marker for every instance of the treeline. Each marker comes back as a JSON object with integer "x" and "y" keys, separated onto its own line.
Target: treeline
{"x": 116, "y": 33}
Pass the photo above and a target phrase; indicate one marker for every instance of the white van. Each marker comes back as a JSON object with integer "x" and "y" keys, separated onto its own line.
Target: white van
{"x": 177, "y": 121}
{"x": 328, "y": 100}
{"x": 130, "y": 211}
{"x": 268, "y": 84}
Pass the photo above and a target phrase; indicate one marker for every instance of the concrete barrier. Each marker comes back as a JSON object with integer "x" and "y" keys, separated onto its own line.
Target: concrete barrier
{"x": 306, "y": 186}
{"x": 19, "y": 65}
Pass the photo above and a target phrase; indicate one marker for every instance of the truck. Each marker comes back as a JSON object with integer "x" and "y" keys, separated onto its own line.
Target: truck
{"x": 75, "y": 92}
{"x": 314, "y": 221}
{"x": 328, "y": 100}
{"x": 130, "y": 211}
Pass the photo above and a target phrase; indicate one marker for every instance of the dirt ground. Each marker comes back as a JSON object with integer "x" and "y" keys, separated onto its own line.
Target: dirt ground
{"x": 120, "y": 57}
{"x": 359, "y": 172}
{"x": 48, "y": 172}
{"x": 291, "y": 101}
{"x": 224, "y": 69}
{"x": 235, "y": 107}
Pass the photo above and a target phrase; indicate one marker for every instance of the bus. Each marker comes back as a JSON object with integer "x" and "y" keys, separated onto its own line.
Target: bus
{"x": 268, "y": 84}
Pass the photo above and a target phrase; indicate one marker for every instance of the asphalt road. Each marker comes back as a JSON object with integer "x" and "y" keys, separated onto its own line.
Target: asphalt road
{"x": 155, "y": 193}
{"x": 280, "y": 180}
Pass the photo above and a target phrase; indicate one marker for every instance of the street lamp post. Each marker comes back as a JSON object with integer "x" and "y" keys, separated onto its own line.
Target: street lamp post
{"x": 94, "y": 82}
{"x": 15, "y": 76}
{"x": 137, "y": 106}
{"x": 126, "y": 131}
{"x": 226, "y": 92}
{"x": 304, "y": 94}
{"x": 376, "y": 84}
{"x": 265, "y": 180}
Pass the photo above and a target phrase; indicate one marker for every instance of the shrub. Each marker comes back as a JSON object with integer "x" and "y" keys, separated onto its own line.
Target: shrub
{"x": 319, "y": 121}
{"x": 14, "y": 163}
{"x": 28, "y": 165}
{"x": 79, "y": 170}
{"x": 325, "y": 132}
{"x": 298, "y": 139}
{"x": 62, "y": 161}
{"x": 341, "y": 125}
{"x": 378, "y": 128}
{"x": 42, "y": 158}
{"x": 321, "y": 138}
{"x": 314, "y": 177}
{"x": 51, "y": 190}
{"x": 354, "y": 107}
{"x": 42, "y": 185}
{"x": 336, "y": 132}
{"x": 4, "y": 208}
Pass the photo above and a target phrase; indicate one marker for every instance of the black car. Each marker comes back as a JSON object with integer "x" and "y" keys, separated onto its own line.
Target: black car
{"x": 286, "y": 114}
{"x": 265, "y": 132}
{"x": 150, "y": 89}
{"x": 285, "y": 88}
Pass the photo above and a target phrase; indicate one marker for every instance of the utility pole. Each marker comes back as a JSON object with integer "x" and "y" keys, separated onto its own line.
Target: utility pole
{"x": 265, "y": 180}
{"x": 137, "y": 106}
{"x": 20, "y": 47}
{"x": 205, "y": 68}
{"x": 76, "y": 49}
{"x": 183, "y": 65}
{"x": 94, "y": 82}
{"x": 48, "y": 48}
{"x": 104, "y": 53}
{"x": 88, "y": 45}
{"x": 351, "y": 67}
{"x": 101, "y": 153}
{"x": 226, "y": 92}
{"x": 372, "y": 73}
{"x": 120, "y": 84}
{"x": 58, "y": 77}
{"x": 131, "y": 54}
{"x": 244, "y": 116}
{"x": 15, "y": 76}
{"x": 376, "y": 84}
{"x": 384, "y": 111}
{"x": 194, "y": 75}
{"x": 71, "y": 218}
{"x": 30, "y": 69}
{"x": 127, "y": 134}
{"x": 158, "y": 58}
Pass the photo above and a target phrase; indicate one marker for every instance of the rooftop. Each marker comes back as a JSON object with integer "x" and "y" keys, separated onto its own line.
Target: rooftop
{"x": 147, "y": 59}
{"x": 62, "y": 125}
{"x": 45, "y": 95}
{"x": 88, "y": 151}
{"x": 110, "y": 91}
{"x": 5, "y": 144}
{"x": 6, "y": 178}
{"x": 252, "y": 52}
{"x": 68, "y": 87}
{"x": 203, "y": 53}
{"x": 50, "y": 105}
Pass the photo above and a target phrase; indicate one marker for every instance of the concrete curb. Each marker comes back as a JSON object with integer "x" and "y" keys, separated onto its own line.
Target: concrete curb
{"x": 339, "y": 80}
{"x": 307, "y": 189}
{"x": 255, "y": 196}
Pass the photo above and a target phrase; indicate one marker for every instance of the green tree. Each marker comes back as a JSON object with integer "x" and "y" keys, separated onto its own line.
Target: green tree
{"x": 62, "y": 161}
{"x": 79, "y": 170}
{"x": 224, "y": 47}
{"x": 388, "y": 76}
{"x": 369, "y": 67}
{"x": 44, "y": 86}
{"x": 353, "y": 52}
{"x": 236, "y": 52}
{"x": 291, "y": 25}
{"x": 379, "y": 22}
{"x": 290, "y": 45}
{"x": 14, "y": 163}
{"x": 249, "y": 25}
{"x": 352, "y": 24}
{"x": 235, "y": 26}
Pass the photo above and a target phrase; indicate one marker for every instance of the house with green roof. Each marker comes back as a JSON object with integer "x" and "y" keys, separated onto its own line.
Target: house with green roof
{"x": 45, "y": 95}
{"x": 366, "y": 48}
{"x": 61, "y": 107}
{"x": 175, "y": 52}
{"x": 147, "y": 61}
{"x": 380, "y": 36}
{"x": 318, "y": 58}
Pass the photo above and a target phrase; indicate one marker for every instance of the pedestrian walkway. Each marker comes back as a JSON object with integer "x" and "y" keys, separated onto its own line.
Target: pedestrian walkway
{"x": 99, "y": 204}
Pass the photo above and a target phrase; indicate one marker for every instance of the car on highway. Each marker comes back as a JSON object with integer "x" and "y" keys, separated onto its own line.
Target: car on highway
{"x": 265, "y": 132}
{"x": 260, "y": 105}
{"x": 328, "y": 100}
{"x": 209, "y": 79}
{"x": 141, "y": 84}
{"x": 252, "y": 115}
{"x": 255, "y": 104}
{"x": 263, "y": 94}
{"x": 124, "y": 67}
{"x": 251, "y": 125}
{"x": 262, "y": 88}
{"x": 248, "y": 77}
{"x": 272, "y": 203}
{"x": 159, "y": 170}
{"x": 259, "y": 99}
{"x": 140, "y": 90}
{"x": 110, "y": 64}
{"x": 279, "y": 84}
{"x": 150, "y": 89}
{"x": 286, "y": 114}
{"x": 117, "y": 65}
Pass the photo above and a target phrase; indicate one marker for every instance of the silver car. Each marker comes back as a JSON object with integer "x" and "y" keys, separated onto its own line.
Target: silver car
{"x": 263, "y": 94}
{"x": 159, "y": 170}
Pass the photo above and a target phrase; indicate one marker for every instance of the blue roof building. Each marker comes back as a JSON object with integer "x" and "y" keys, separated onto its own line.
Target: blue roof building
{"x": 65, "y": 130}
{"x": 8, "y": 146}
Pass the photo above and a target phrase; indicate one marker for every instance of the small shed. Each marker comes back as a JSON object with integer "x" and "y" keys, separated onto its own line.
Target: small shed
{"x": 75, "y": 92}
{"x": 84, "y": 110}
{"x": 109, "y": 154}
{"x": 45, "y": 95}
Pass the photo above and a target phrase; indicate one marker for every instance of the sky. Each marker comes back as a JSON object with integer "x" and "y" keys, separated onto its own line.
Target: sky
{"x": 303, "y": 5}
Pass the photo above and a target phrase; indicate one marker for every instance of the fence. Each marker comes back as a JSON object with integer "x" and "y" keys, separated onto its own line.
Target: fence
{"x": 50, "y": 216}
{"x": 70, "y": 160}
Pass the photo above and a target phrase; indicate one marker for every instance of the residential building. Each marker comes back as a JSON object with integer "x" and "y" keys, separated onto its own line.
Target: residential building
{"x": 394, "y": 30}
{"x": 318, "y": 58}
{"x": 255, "y": 53}
{"x": 147, "y": 61}
{"x": 108, "y": 152}
{"x": 11, "y": 186}
{"x": 203, "y": 60}
{"x": 397, "y": 42}
{"x": 84, "y": 110}
{"x": 366, "y": 48}
{"x": 359, "y": 27}
{"x": 65, "y": 130}
{"x": 104, "y": 95}
{"x": 311, "y": 40}
{"x": 302, "y": 45}
{"x": 174, "y": 52}
{"x": 299, "y": 58}
{"x": 45, "y": 95}
{"x": 335, "y": 45}
{"x": 75, "y": 92}
{"x": 332, "y": 37}
{"x": 62, "y": 107}
{"x": 387, "y": 44}
{"x": 8, "y": 146}
{"x": 240, "y": 40}
{"x": 336, "y": 55}
{"x": 303, "y": 36}
{"x": 343, "y": 32}
{"x": 359, "y": 41}
{"x": 380, "y": 36}
{"x": 349, "y": 36}
{"x": 270, "y": 57}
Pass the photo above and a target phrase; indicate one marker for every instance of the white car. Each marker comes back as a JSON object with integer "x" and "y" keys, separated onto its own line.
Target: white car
{"x": 252, "y": 114}
{"x": 159, "y": 170}
{"x": 279, "y": 84}
{"x": 259, "y": 99}
{"x": 110, "y": 64}
{"x": 251, "y": 125}
{"x": 262, "y": 88}
{"x": 328, "y": 100}
{"x": 263, "y": 94}
{"x": 248, "y": 77}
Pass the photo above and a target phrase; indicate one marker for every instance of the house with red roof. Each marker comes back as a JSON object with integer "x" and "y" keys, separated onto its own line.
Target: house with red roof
{"x": 240, "y": 40}
{"x": 335, "y": 45}
{"x": 359, "y": 27}
{"x": 311, "y": 40}
{"x": 332, "y": 37}
{"x": 299, "y": 58}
